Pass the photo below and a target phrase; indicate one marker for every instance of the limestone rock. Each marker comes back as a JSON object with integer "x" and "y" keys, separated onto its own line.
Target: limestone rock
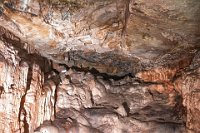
{"x": 99, "y": 66}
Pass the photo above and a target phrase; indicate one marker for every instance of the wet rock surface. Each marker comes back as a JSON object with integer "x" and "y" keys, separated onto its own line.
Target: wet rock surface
{"x": 113, "y": 66}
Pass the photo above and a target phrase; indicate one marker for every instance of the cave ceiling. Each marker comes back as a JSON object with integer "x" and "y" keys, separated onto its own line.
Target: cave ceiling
{"x": 111, "y": 66}
{"x": 117, "y": 37}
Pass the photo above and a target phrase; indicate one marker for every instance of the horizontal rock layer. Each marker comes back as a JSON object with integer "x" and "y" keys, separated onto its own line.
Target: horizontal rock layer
{"x": 99, "y": 66}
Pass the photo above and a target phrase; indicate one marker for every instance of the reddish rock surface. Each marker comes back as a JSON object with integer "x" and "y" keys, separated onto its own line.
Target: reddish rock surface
{"x": 112, "y": 66}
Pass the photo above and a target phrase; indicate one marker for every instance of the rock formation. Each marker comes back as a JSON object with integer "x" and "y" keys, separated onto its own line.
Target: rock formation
{"x": 99, "y": 66}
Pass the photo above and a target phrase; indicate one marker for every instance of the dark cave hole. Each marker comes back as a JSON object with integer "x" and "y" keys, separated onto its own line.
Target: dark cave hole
{"x": 96, "y": 73}
{"x": 126, "y": 107}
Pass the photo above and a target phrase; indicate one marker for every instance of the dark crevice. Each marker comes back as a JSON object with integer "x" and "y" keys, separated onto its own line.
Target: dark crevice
{"x": 56, "y": 97}
{"x": 155, "y": 121}
{"x": 179, "y": 110}
{"x": 22, "y": 109}
{"x": 96, "y": 73}
{"x": 126, "y": 107}
{"x": 126, "y": 18}
{"x": 1, "y": 90}
{"x": 91, "y": 98}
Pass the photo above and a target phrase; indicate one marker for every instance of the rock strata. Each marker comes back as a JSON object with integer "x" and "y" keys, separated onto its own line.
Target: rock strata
{"x": 92, "y": 66}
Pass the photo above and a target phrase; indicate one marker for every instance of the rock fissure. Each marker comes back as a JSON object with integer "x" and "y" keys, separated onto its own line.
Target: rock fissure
{"x": 22, "y": 110}
{"x": 112, "y": 66}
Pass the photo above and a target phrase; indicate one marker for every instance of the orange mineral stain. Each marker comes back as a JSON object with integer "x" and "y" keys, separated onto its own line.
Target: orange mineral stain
{"x": 52, "y": 43}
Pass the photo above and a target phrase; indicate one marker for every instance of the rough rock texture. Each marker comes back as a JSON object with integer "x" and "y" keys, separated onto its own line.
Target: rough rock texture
{"x": 99, "y": 66}
{"x": 188, "y": 86}
{"x": 22, "y": 90}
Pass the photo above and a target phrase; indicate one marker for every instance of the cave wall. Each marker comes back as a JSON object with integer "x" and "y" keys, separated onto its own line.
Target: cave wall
{"x": 24, "y": 103}
{"x": 32, "y": 93}
{"x": 99, "y": 66}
